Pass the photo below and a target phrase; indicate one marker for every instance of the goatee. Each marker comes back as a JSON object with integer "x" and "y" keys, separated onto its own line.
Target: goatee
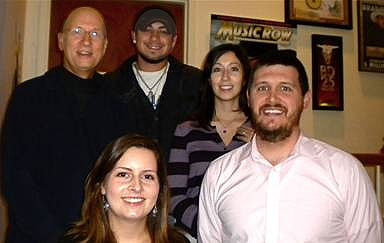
{"x": 272, "y": 136}
{"x": 153, "y": 61}
{"x": 280, "y": 133}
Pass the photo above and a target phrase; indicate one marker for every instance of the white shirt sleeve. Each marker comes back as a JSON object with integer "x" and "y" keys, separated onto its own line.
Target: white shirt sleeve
{"x": 362, "y": 216}
{"x": 209, "y": 225}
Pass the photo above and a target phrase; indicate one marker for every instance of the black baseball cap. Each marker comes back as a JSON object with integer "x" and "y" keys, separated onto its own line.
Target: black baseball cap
{"x": 152, "y": 15}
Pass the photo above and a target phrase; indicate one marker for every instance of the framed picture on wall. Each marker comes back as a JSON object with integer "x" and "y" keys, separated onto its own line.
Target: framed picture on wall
{"x": 254, "y": 35}
{"x": 371, "y": 35}
{"x": 330, "y": 13}
{"x": 327, "y": 73}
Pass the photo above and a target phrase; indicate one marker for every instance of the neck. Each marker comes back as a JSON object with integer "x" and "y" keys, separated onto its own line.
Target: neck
{"x": 145, "y": 66}
{"x": 81, "y": 74}
{"x": 130, "y": 231}
{"x": 277, "y": 152}
{"x": 227, "y": 110}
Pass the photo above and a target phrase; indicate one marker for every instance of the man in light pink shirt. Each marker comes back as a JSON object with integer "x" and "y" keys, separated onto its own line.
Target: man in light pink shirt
{"x": 284, "y": 187}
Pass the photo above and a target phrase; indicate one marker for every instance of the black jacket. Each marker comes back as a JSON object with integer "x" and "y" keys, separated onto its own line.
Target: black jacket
{"x": 126, "y": 109}
{"x": 46, "y": 154}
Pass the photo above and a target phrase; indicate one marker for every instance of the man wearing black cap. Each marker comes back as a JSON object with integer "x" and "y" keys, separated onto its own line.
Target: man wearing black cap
{"x": 151, "y": 92}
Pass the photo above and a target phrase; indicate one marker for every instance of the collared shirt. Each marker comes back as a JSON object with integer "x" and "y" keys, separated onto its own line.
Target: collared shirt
{"x": 319, "y": 194}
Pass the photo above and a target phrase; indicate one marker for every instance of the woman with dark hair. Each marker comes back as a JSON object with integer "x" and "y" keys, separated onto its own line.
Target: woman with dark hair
{"x": 126, "y": 197}
{"x": 220, "y": 125}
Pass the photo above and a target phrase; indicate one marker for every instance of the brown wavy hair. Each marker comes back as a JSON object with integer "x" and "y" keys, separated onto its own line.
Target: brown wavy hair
{"x": 93, "y": 225}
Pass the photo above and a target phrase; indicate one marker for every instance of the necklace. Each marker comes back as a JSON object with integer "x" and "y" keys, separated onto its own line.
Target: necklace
{"x": 151, "y": 95}
{"x": 227, "y": 129}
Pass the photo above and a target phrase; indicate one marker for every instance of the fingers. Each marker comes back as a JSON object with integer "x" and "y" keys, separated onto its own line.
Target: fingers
{"x": 245, "y": 133}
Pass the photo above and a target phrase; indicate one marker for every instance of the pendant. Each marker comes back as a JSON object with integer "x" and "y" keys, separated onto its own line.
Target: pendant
{"x": 151, "y": 97}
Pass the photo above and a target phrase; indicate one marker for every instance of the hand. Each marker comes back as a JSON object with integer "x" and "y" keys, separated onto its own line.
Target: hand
{"x": 245, "y": 133}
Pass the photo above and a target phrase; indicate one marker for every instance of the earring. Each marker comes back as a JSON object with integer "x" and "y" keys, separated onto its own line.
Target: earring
{"x": 106, "y": 205}
{"x": 154, "y": 211}
{"x": 134, "y": 41}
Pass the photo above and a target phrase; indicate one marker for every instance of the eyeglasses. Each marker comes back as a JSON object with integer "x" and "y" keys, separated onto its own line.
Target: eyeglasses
{"x": 79, "y": 33}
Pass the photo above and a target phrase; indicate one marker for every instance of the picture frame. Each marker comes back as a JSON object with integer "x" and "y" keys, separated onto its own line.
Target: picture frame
{"x": 335, "y": 14}
{"x": 371, "y": 35}
{"x": 327, "y": 73}
{"x": 255, "y": 36}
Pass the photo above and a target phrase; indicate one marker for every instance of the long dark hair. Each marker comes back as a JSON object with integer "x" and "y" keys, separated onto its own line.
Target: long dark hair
{"x": 94, "y": 225}
{"x": 206, "y": 109}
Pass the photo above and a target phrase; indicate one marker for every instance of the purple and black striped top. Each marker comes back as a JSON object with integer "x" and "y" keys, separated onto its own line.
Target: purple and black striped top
{"x": 193, "y": 148}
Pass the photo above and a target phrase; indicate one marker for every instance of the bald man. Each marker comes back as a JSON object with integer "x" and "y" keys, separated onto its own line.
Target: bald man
{"x": 45, "y": 149}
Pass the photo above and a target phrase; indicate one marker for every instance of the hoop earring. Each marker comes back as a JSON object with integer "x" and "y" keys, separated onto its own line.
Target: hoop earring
{"x": 106, "y": 205}
{"x": 154, "y": 211}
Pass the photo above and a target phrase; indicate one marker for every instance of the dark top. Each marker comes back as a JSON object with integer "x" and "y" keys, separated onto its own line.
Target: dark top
{"x": 45, "y": 154}
{"x": 126, "y": 108}
{"x": 193, "y": 149}
{"x": 173, "y": 237}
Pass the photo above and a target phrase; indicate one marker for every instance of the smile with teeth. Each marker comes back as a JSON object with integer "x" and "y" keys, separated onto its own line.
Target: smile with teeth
{"x": 133, "y": 199}
{"x": 154, "y": 47}
{"x": 85, "y": 53}
{"x": 226, "y": 87}
{"x": 273, "y": 111}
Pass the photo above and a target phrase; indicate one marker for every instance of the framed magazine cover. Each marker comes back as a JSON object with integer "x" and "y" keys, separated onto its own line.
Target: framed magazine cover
{"x": 327, "y": 73}
{"x": 332, "y": 13}
{"x": 256, "y": 36}
{"x": 371, "y": 35}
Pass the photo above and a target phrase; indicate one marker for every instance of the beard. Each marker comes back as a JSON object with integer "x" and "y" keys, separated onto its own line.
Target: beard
{"x": 280, "y": 133}
{"x": 153, "y": 61}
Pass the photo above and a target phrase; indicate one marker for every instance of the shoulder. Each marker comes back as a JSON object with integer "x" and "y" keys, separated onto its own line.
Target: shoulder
{"x": 340, "y": 164}
{"x": 67, "y": 239}
{"x": 189, "y": 72}
{"x": 324, "y": 151}
{"x": 223, "y": 167}
{"x": 186, "y": 127}
{"x": 36, "y": 86}
{"x": 117, "y": 80}
{"x": 175, "y": 236}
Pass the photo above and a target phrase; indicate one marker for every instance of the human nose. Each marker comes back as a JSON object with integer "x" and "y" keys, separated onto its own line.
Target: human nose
{"x": 154, "y": 34}
{"x": 225, "y": 74}
{"x": 87, "y": 38}
{"x": 135, "y": 184}
{"x": 272, "y": 96}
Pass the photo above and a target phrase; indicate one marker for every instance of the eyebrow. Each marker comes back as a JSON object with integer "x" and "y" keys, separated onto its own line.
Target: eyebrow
{"x": 129, "y": 169}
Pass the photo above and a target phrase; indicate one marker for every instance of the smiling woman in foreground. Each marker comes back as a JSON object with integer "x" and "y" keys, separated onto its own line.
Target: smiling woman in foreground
{"x": 126, "y": 197}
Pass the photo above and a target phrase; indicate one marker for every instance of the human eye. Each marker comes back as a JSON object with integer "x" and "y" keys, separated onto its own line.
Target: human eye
{"x": 286, "y": 88}
{"x": 78, "y": 31}
{"x": 94, "y": 34}
{"x": 217, "y": 69}
{"x": 163, "y": 31}
{"x": 149, "y": 177}
{"x": 262, "y": 88}
{"x": 235, "y": 69}
{"x": 123, "y": 174}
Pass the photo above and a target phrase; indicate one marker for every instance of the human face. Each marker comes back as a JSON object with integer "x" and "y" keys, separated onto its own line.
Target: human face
{"x": 380, "y": 21}
{"x": 83, "y": 41}
{"x": 132, "y": 187}
{"x": 155, "y": 43}
{"x": 276, "y": 102}
{"x": 227, "y": 77}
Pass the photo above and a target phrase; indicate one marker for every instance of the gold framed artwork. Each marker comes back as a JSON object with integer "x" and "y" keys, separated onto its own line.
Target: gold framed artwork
{"x": 328, "y": 13}
{"x": 327, "y": 73}
{"x": 371, "y": 35}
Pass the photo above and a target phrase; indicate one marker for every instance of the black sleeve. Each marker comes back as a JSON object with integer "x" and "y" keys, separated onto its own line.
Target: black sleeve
{"x": 25, "y": 204}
